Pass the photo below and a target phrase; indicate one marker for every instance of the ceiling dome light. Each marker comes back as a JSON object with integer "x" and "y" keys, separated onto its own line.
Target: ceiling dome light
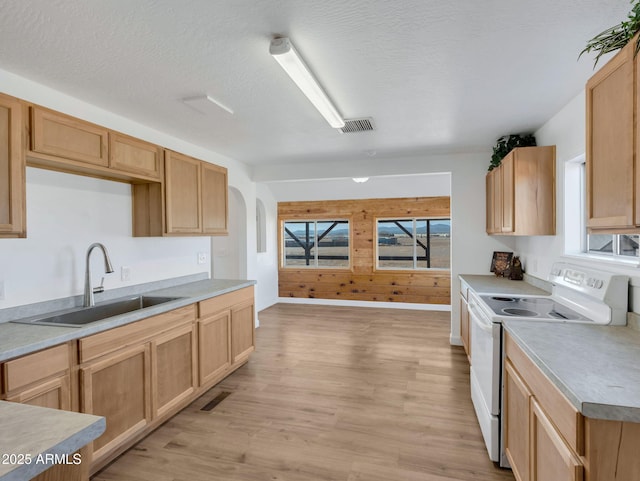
{"x": 360, "y": 180}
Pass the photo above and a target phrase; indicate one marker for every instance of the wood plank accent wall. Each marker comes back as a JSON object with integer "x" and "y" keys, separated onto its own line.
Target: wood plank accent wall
{"x": 362, "y": 282}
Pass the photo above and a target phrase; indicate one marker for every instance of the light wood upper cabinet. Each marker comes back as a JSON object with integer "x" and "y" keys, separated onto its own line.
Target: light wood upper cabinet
{"x": 521, "y": 193}
{"x": 494, "y": 201}
{"x": 65, "y": 137}
{"x": 195, "y": 196}
{"x": 12, "y": 168}
{"x": 214, "y": 199}
{"x": 183, "y": 194}
{"x": 612, "y": 113}
{"x": 132, "y": 155}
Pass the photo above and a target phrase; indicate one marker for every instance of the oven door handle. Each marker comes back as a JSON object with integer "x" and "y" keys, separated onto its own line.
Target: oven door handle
{"x": 478, "y": 318}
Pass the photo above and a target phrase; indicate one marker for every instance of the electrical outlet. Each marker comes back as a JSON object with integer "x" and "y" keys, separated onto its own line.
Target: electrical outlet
{"x": 125, "y": 273}
{"x": 202, "y": 257}
{"x": 1, "y": 290}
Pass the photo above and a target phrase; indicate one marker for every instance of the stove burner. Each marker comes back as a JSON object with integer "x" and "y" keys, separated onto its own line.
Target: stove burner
{"x": 537, "y": 300}
{"x": 504, "y": 299}
{"x": 520, "y": 312}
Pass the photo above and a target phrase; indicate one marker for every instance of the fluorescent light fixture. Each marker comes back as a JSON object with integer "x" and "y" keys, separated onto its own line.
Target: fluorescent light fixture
{"x": 360, "y": 180}
{"x": 206, "y": 104}
{"x": 284, "y": 53}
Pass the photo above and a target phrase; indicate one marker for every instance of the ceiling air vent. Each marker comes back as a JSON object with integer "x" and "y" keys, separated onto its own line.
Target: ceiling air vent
{"x": 357, "y": 125}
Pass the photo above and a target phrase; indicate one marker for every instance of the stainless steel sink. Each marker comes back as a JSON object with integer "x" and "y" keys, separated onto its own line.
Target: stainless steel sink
{"x": 81, "y": 316}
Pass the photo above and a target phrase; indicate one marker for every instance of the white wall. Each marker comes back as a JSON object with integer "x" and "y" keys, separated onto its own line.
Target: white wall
{"x": 267, "y": 262}
{"x": 471, "y": 248}
{"x": 65, "y": 213}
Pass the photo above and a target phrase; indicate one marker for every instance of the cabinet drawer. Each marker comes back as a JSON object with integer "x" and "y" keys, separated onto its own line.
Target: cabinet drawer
{"x": 35, "y": 367}
{"x": 219, "y": 303}
{"x": 568, "y": 421}
{"x": 99, "y": 344}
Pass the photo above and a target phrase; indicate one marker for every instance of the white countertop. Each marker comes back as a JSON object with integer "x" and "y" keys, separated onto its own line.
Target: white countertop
{"x": 36, "y": 432}
{"x": 490, "y": 284}
{"x": 596, "y": 367}
{"x": 20, "y": 339}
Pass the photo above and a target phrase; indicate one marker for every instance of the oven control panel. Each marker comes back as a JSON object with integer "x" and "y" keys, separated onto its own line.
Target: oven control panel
{"x": 594, "y": 283}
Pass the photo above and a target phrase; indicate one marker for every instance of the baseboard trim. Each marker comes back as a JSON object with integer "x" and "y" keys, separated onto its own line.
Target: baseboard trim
{"x": 347, "y": 303}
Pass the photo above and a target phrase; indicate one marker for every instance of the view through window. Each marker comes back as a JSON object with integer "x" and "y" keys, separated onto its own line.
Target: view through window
{"x": 414, "y": 243}
{"x": 316, "y": 243}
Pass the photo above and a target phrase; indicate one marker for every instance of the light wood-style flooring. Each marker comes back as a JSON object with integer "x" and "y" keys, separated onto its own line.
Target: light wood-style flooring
{"x": 331, "y": 393}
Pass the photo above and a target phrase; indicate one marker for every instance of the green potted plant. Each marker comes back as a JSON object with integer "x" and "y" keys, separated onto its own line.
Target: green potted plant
{"x": 506, "y": 144}
{"x": 616, "y": 37}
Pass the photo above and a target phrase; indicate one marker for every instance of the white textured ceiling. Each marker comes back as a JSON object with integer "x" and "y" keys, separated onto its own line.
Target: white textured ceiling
{"x": 436, "y": 75}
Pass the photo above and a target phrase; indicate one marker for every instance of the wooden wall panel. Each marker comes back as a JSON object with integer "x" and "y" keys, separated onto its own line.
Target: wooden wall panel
{"x": 362, "y": 282}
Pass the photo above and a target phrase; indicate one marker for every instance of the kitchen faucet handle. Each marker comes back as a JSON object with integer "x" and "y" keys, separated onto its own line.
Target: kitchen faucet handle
{"x": 100, "y": 288}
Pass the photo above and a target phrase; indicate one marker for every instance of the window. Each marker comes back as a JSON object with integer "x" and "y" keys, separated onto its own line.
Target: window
{"x": 616, "y": 247}
{"x": 316, "y": 243}
{"x": 413, "y": 244}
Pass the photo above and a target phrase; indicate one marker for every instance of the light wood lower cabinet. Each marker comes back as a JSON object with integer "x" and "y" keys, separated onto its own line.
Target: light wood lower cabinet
{"x": 233, "y": 312}
{"x": 174, "y": 368}
{"x": 517, "y": 398}
{"x": 214, "y": 346}
{"x": 40, "y": 379}
{"x": 547, "y": 439}
{"x": 242, "y": 331}
{"x": 118, "y": 387}
{"x": 139, "y": 374}
{"x": 551, "y": 457}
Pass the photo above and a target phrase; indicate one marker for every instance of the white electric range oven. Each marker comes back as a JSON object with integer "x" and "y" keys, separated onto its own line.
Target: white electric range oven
{"x": 579, "y": 294}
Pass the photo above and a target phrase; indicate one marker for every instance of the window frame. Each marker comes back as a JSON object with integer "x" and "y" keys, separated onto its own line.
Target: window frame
{"x": 572, "y": 249}
{"x": 315, "y": 220}
{"x": 415, "y": 268}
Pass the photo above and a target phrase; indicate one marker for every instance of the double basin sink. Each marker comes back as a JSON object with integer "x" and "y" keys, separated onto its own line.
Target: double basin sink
{"x": 81, "y": 316}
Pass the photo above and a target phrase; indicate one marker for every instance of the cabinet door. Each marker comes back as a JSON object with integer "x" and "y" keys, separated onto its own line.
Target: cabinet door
{"x": 12, "y": 169}
{"x": 68, "y": 138}
{"x": 508, "y": 193}
{"x": 490, "y": 179}
{"x": 214, "y": 199}
{"x": 183, "y": 196}
{"x": 214, "y": 346}
{"x": 551, "y": 458}
{"x": 516, "y": 405}
{"x": 497, "y": 200}
{"x": 610, "y": 133}
{"x": 55, "y": 394}
{"x": 118, "y": 387}
{"x": 242, "y": 331}
{"x": 174, "y": 369}
{"x": 135, "y": 156}
{"x": 464, "y": 326}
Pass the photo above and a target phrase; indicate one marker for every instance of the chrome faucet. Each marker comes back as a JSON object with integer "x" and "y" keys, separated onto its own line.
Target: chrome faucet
{"x": 88, "y": 291}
